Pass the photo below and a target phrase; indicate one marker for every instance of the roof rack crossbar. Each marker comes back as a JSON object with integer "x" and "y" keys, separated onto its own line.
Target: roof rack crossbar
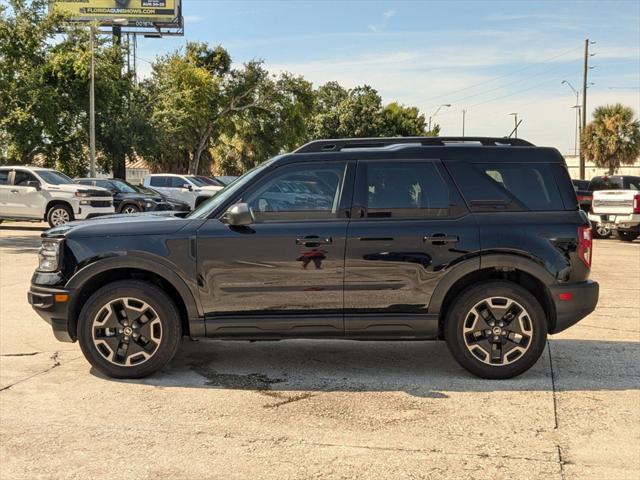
{"x": 336, "y": 145}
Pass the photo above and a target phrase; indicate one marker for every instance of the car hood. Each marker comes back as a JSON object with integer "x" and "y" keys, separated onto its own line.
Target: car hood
{"x": 75, "y": 187}
{"x": 165, "y": 223}
{"x": 209, "y": 189}
{"x": 140, "y": 196}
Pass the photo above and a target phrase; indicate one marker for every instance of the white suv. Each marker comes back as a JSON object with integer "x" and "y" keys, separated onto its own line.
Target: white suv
{"x": 35, "y": 194}
{"x": 186, "y": 188}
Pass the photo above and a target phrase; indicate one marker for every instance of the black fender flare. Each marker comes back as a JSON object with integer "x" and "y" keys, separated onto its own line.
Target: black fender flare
{"x": 140, "y": 261}
{"x": 499, "y": 261}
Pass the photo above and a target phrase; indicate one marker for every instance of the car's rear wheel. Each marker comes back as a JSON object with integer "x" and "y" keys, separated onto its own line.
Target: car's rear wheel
{"x": 627, "y": 236}
{"x": 600, "y": 231}
{"x": 59, "y": 215}
{"x": 496, "y": 329}
{"x": 129, "y": 329}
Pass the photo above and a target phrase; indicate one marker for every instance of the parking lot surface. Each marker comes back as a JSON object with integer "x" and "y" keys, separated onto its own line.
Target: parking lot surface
{"x": 322, "y": 409}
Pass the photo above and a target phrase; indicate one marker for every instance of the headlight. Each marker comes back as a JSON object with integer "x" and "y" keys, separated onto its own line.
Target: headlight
{"x": 83, "y": 193}
{"x": 49, "y": 255}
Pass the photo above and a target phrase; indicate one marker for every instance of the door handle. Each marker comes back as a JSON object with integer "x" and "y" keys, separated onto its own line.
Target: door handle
{"x": 440, "y": 239}
{"x": 313, "y": 240}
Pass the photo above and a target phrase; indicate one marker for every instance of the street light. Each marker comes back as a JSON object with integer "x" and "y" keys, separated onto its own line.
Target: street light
{"x": 436, "y": 112}
{"x": 577, "y": 134}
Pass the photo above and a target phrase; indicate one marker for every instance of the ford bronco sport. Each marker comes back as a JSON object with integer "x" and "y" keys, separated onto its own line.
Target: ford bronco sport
{"x": 477, "y": 241}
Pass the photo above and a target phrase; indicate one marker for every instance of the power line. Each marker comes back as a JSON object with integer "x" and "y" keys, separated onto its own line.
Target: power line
{"x": 500, "y": 76}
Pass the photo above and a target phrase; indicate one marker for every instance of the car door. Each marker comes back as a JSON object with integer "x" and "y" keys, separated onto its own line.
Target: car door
{"x": 283, "y": 274}
{"x": 5, "y": 190}
{"x": 182, "y": 190}
{"x": 407, "y": 228}
{"x": 25, "y": 199}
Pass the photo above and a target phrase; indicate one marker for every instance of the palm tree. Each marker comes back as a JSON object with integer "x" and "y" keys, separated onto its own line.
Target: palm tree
{"x": 612, "y": 138}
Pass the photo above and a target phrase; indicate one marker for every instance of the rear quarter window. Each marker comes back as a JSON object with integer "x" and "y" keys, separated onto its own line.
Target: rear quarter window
{"x": 508, "y": 186}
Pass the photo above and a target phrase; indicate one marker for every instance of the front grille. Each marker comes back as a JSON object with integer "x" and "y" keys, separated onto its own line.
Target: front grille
{"x": 98, "y": 193}
{"x": 613, "y": 203}
{"x": 163, "y": 207}
{"x": 100, "y": 203}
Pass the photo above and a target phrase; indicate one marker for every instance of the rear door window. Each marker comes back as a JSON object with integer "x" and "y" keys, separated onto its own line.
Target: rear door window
{"x": 4, "y": 177}
{"x": 403, "y": 189}
{"x": 159, "y": 181}
{"x": 508, "y": 186}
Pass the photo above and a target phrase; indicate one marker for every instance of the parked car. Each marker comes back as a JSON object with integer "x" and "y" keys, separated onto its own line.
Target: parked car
{"x": 583, "y": 194}
{"x": 186, "y": 188}
{"x": 477, "y": 241}
{"x": 35, "y": 194}
{"x": 616, "y": 206}
{"x": 128, "y": 198}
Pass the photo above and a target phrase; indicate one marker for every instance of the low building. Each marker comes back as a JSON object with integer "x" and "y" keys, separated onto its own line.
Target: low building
{"x": 590, "y": 171}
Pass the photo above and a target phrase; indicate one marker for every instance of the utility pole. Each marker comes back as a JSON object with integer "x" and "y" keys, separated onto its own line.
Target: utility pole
{"x": 464, "y": 113}
{"x": 515, "y": 122}
{"x": 584, "y": 100}
{"x": 92, "y": 109}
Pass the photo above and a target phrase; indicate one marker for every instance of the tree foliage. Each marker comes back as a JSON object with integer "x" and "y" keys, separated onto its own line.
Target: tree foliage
{"x": 612, "y": 139}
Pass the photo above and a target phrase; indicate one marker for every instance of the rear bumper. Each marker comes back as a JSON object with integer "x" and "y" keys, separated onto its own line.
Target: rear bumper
{"x": 46, "y": 302}
{"x": 617, "y": 222}
{"x": 580, "y": 300}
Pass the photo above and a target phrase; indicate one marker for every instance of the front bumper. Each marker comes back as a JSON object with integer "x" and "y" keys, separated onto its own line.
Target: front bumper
{"x": 573, "y": 302}
{"x": 84, "y": 212}
{"x": 47, "y": 303}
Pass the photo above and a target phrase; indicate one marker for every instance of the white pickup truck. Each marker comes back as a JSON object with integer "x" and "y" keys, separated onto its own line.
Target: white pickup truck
{"x": 616, "y": 205}
{"x": 35, "y": 194}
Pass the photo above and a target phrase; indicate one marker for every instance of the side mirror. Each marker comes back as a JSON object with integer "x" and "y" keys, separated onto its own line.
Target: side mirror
{"x": 239, "y": 215}
{"x": 33, "y": 183}
{"x": 188, "y": 187}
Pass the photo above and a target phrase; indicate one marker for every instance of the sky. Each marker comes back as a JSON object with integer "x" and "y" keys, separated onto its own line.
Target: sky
{"x": 490, "y": 58}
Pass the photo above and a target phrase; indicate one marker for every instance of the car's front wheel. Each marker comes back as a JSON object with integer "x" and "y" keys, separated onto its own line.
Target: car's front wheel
{"x": 59, "y": 215}
{"x": 496, "y": 329}
{"x": 129, "y": 329}
{"x": 130, "y": 209}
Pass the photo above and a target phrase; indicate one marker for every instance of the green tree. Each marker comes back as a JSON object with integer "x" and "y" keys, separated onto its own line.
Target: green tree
{"x": 280, "y": 124}
{"x": 27, "y": 101}
{"x": 194, "y": 97}
{"x": 612, "y": 139}
{"x": 398, "y": 120}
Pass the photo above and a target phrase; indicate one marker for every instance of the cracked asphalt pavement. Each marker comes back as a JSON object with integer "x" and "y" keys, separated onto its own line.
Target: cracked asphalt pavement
{"x": 322, "y": 409}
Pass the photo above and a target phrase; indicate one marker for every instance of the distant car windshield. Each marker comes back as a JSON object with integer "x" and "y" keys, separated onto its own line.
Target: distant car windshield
{"x": 205, "y": 208}
{"x": 54, "y": 178}
{"x": 124, "y": 187}
{"x": 210, "y": 181}
{"x": 196, "y": 181}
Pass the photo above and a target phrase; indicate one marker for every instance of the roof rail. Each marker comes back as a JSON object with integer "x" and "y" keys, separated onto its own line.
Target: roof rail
{"x": 336, "y": 145}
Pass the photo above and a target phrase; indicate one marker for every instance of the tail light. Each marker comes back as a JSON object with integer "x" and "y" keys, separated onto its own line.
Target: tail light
{"x": 636, "y": 203}
{"x": 585, "y": 245}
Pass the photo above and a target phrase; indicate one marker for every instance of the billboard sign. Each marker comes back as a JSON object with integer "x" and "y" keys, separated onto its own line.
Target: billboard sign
{"x": 107, "y": 12}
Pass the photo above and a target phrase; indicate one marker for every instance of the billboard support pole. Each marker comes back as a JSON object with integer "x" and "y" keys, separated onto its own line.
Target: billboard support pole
{"x": 92, "y": 109}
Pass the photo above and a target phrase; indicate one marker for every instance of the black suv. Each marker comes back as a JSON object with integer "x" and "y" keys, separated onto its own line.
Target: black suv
{"x": 477, "y": 241}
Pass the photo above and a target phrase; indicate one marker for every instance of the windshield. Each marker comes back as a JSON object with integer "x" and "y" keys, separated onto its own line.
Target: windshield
{"x": 54, "y": 178}
{"x": 124, "y": 187}
{"x": 210, "y": 181}
{"x": 205, "y": 209}
{"x": 196, "y": 181}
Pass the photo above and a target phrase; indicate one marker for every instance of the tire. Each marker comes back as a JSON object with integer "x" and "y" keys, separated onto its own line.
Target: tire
{"x": 600, "y": 231}
{"x": 627, "y": 236}
{"x": 527, "y": 336}
{"x": 103, "y": 337}
{"x": 59, "y": 214}
{"x": 130, "y": 208}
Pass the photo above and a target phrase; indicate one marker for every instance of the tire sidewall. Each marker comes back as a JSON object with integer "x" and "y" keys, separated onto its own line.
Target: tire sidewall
{"x": 59, "y": 206}
{"x": 464, "y": 303}
{"x": 130, "y": 205}
{"x": 152, "y": 295}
